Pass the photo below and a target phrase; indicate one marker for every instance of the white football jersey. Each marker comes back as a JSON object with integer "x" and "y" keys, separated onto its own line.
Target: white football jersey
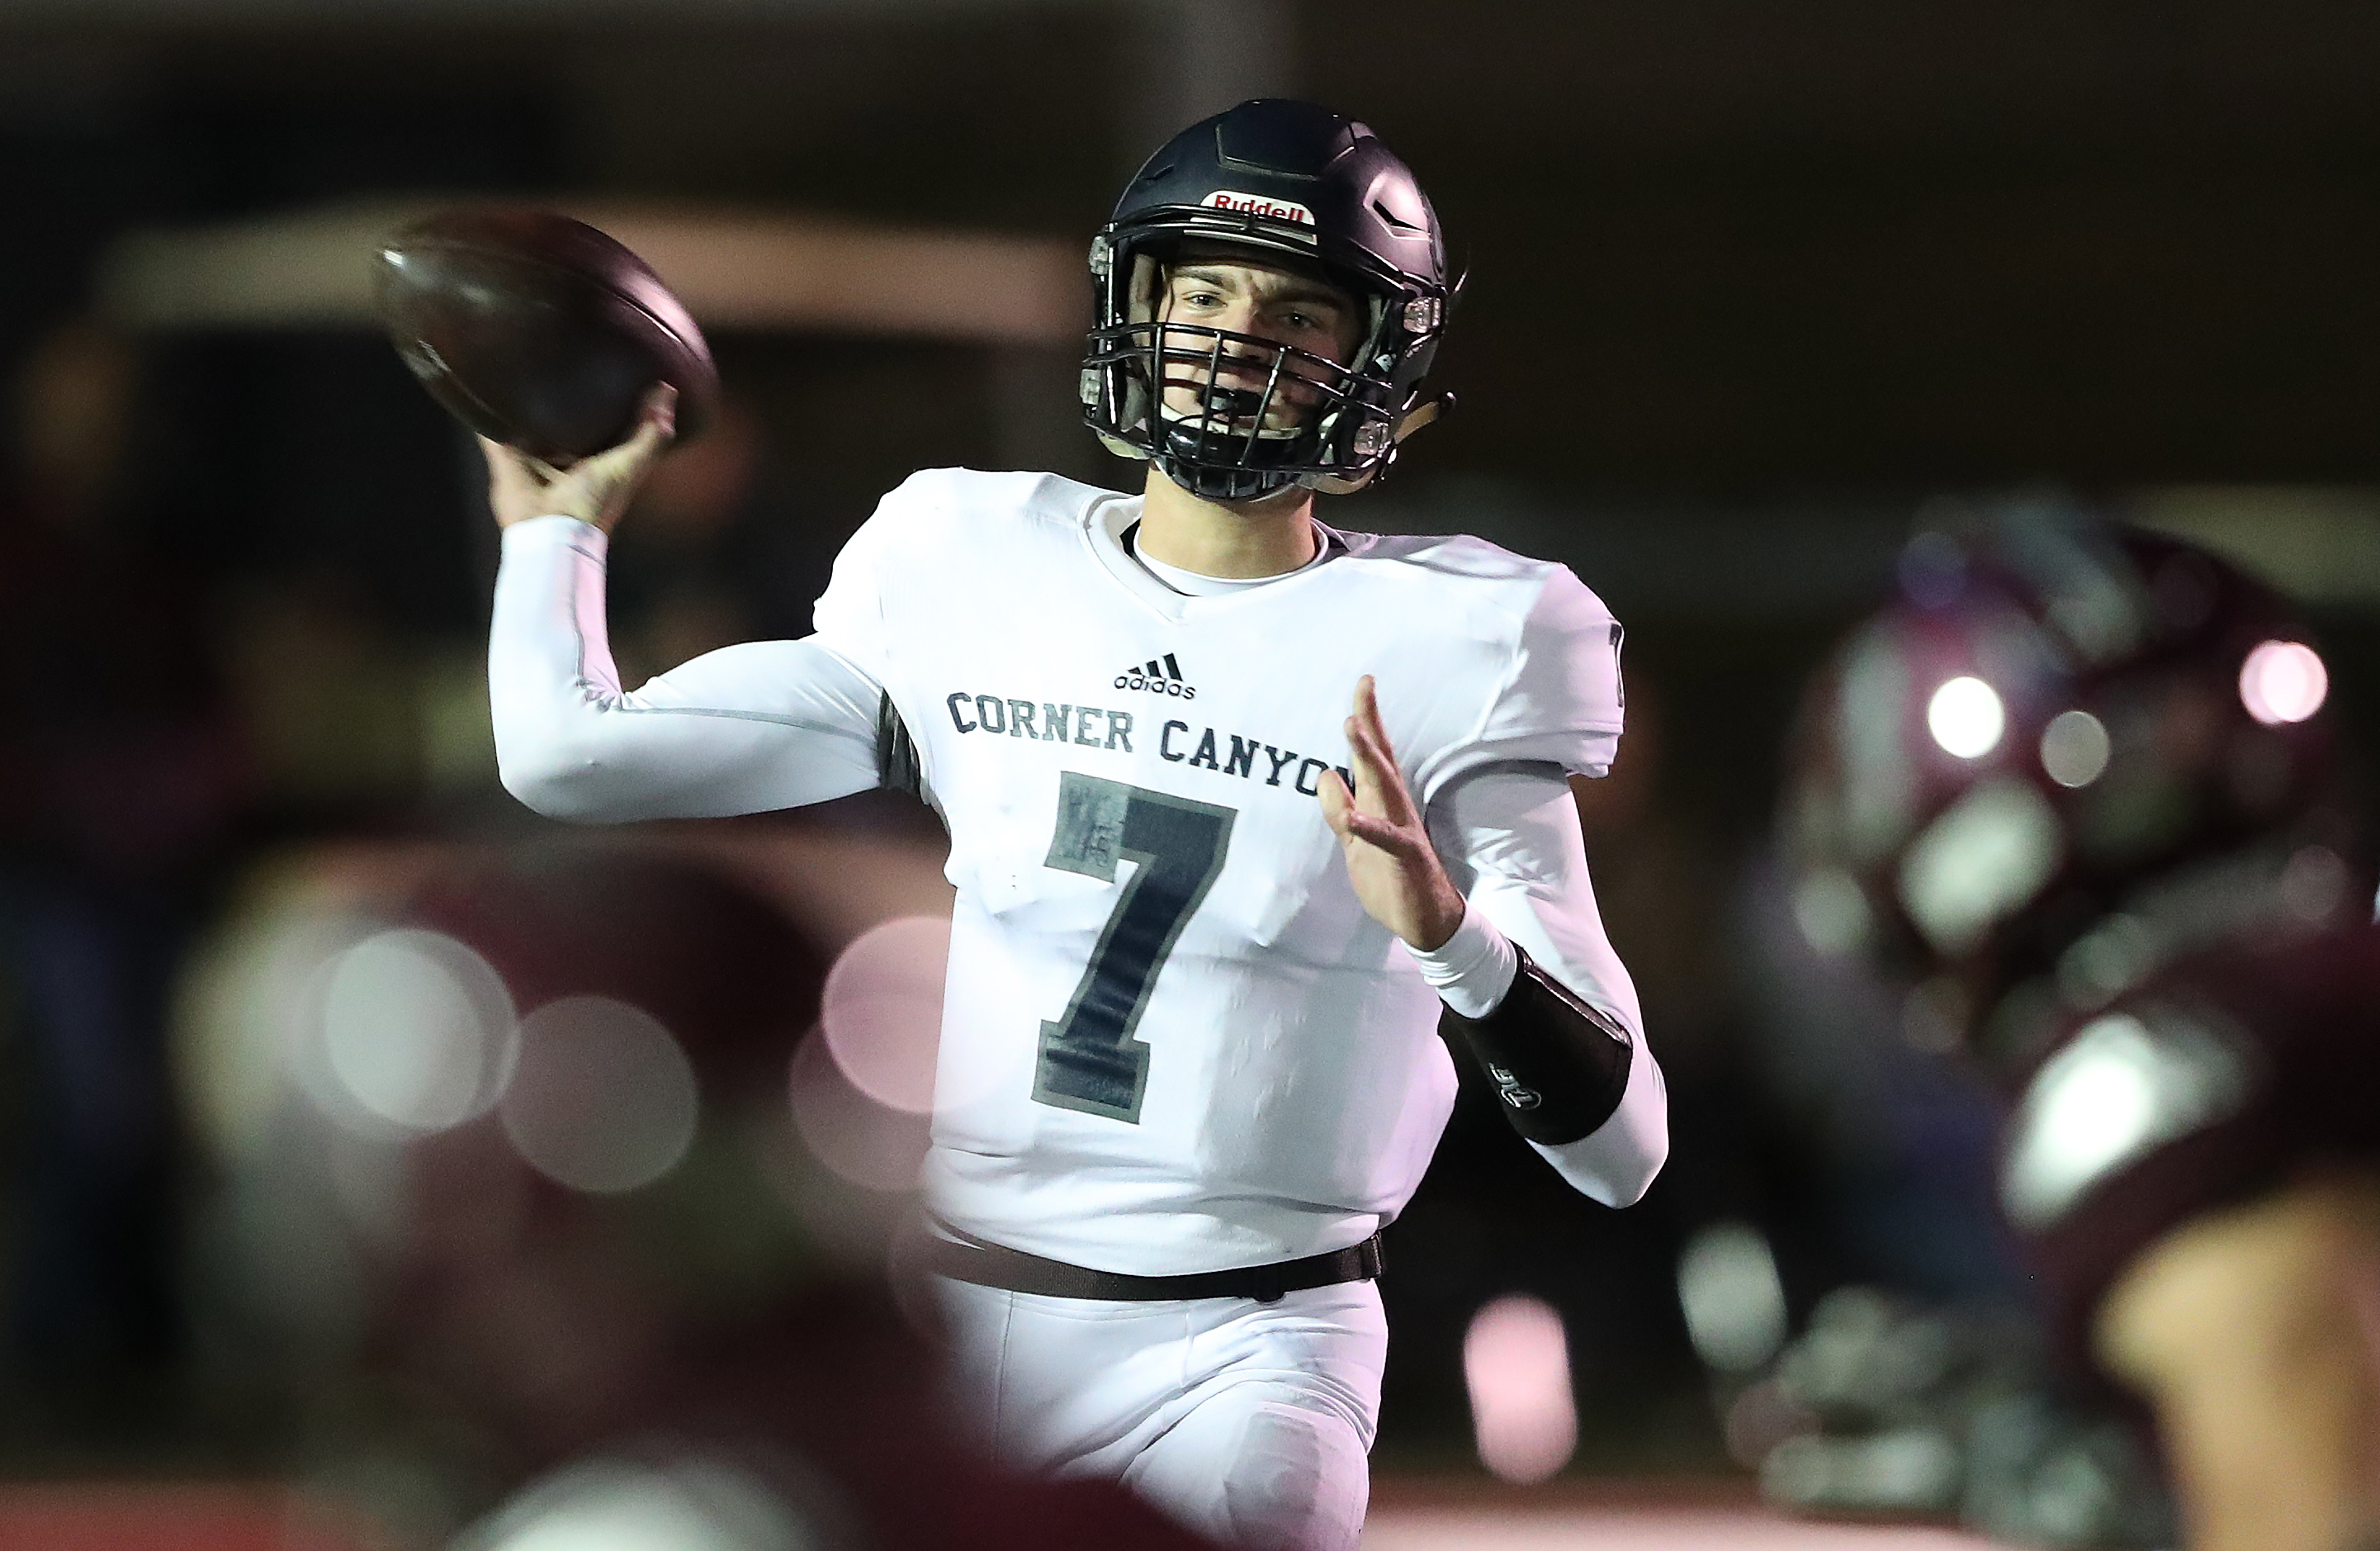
{"x": 1174, "y": 1041}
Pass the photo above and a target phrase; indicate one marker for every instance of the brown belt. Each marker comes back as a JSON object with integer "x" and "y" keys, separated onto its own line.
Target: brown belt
{"x": 966, "y": 1259}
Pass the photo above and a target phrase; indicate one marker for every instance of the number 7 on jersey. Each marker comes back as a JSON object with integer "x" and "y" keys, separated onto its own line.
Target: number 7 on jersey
{"x": 1090, "y": 1059}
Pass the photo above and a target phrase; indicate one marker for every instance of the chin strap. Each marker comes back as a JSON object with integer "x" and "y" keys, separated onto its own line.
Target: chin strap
{"x": 1421, "y": 414}
{"x": 1560, "y": 1066}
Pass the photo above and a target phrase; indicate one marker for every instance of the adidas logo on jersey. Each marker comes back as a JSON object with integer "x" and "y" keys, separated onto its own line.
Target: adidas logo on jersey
{"x": 1159, "y": 675}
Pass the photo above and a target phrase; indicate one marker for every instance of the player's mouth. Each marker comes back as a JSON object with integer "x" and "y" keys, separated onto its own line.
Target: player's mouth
{"x": 1240, "y": 410}
{"x": 1238, "y": 394}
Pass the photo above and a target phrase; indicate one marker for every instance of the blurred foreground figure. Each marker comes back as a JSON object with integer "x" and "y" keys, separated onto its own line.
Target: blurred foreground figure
{"x": 536, "y": 1164}
{"x": 2079, "y": 785}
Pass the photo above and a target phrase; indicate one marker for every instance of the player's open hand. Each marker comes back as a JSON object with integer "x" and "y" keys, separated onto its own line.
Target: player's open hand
{"x": 1390, "y": 860}
{"x": 595, "y": 490}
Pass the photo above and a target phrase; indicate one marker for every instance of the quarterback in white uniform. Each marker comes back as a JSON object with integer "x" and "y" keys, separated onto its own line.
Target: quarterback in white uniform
{"x": 1207, "y": 919}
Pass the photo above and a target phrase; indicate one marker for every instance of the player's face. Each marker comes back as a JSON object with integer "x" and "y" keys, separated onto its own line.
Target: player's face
{"x": 1288, "y": 316}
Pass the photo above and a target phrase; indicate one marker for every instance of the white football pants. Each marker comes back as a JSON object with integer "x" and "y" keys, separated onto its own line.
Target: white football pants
{"x": 1249, "y": 1422}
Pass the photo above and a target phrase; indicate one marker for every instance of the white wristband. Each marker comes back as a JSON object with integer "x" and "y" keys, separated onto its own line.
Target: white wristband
{"x": 556, "y": 528}
{"x": 1472, "y": 969}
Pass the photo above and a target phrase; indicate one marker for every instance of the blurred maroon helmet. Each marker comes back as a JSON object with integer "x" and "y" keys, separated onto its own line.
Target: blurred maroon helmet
{"x": 2066, "y": 753}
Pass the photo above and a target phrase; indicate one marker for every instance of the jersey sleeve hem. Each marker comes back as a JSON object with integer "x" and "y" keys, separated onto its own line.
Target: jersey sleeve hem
{"x": 1559, "y": 700}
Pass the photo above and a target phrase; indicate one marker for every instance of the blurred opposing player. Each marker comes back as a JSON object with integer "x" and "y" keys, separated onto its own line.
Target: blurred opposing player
{"x": 2081, "y": 784}
{"x": 1206, "y": 917}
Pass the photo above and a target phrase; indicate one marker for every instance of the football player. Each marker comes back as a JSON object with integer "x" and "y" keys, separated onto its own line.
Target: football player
{"x": 2081, "y": 785}
{"x": 1236, "y": 801}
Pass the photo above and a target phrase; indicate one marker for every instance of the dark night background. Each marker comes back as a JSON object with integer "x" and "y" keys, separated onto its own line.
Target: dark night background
{"x": 1749, "y": 288}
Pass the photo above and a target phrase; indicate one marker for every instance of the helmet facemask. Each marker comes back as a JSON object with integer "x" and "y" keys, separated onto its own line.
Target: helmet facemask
{"x": 1234, "y": 417}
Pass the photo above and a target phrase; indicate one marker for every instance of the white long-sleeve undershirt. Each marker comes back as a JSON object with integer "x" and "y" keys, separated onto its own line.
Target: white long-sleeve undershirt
{"x": 747, "y": 729}
{"x": 774, "y": 725}
{"x": 1508, "y": 837}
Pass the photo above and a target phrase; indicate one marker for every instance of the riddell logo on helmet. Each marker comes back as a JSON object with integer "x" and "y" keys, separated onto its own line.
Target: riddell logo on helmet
{"x": 1257, "y": 204}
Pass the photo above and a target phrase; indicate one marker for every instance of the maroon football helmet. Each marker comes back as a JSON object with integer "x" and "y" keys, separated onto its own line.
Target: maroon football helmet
{"x": 2066, "y": 753}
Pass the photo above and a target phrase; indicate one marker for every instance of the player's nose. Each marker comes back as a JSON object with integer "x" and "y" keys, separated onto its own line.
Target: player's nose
{"x": 1254, "y": 343}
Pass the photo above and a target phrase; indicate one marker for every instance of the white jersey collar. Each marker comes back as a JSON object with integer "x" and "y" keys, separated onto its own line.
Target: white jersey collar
{"x": 1105, "y": 533}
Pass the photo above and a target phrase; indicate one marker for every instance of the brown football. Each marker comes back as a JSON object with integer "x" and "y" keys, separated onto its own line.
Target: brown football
{"x": 539, "y": 331}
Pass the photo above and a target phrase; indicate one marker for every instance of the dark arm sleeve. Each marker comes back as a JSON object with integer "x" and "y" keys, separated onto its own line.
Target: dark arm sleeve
{"x": 1560, "y": 1066}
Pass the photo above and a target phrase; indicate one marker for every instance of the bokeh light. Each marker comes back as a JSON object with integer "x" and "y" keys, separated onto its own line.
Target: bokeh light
{"x": 882, "y": 1010}
{"x": 2074, "y": 748}
{"x": 602, "y": 1098}
{"x": 1732, "y": 1300}
{"x": 2094, "y": 1104}
{"x": 2116, "y": 1090}
{"x": 2315, "y": 883}
{"x": 418, "y": 1029}
{"x": 2283, "y": 681}
{"x": 863, "y": 1142}
{"x": 626, "y": 1504}
{"x": 249, "y": 1039}
{"x": 1516, "y": 1364}
{"x": 1831, "y": 912}
{"x": 1966, "y": 717}
{"x": 1980, "y": 859}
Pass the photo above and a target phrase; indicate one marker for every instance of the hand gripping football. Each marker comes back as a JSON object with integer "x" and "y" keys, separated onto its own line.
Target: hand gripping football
{"x": 539, "y": 331}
